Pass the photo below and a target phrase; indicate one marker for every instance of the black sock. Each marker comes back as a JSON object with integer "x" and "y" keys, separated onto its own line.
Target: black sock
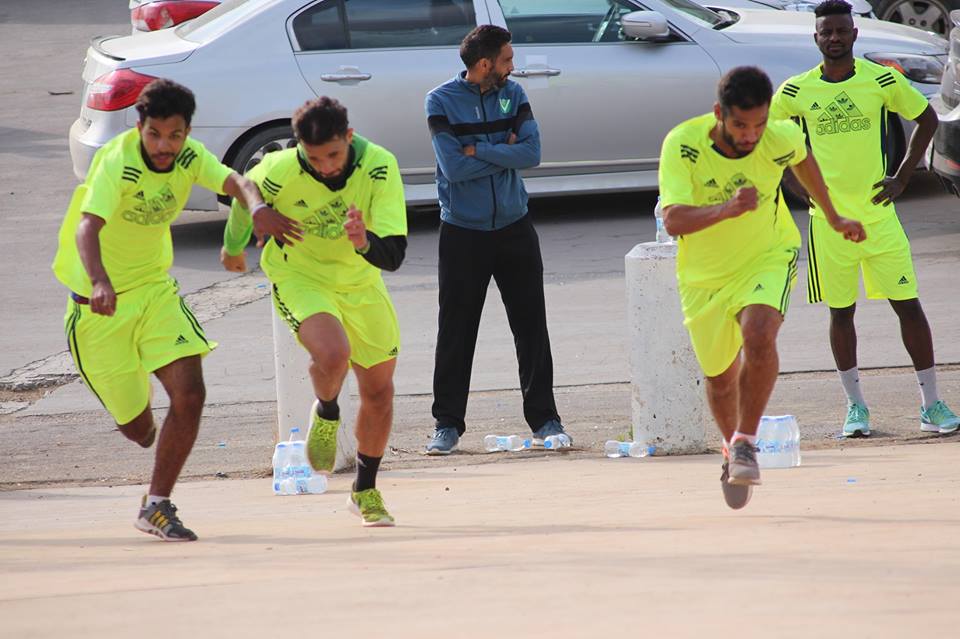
{"x": 367, "y": 468}
{"x": 329, "y": 409}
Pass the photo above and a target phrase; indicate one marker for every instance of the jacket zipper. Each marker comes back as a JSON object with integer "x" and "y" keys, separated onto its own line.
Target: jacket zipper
{"x": 493, "y": 190}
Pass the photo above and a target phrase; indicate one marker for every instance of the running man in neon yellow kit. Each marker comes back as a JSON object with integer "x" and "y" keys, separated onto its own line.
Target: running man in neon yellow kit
{"x": 346, "y": 196}
{"x": 843, "y": 108}
{"x": 737, "y": 257}
{"x": 125, "y": 318}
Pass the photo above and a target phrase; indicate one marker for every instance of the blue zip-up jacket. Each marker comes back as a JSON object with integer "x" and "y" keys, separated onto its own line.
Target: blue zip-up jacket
{"x": 484, "y": 192}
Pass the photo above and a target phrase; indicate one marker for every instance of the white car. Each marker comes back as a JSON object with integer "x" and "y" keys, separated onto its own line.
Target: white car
{"x": 607, "y": 79}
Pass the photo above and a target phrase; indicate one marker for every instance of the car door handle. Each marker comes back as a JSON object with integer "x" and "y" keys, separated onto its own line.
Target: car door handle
{"x": 535, "y": 72}
{"x": 345, "y": 77}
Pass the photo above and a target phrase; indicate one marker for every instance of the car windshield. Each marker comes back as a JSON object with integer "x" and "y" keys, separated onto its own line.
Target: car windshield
{"x": 209, "y": 25}
{"x": 697, "y": 13}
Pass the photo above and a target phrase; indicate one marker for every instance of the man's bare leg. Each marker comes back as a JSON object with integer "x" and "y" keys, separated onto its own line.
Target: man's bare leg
{"x": 183, "y": 382}
{"x": 758, "y": 375}
{"x": 325, "y": 339}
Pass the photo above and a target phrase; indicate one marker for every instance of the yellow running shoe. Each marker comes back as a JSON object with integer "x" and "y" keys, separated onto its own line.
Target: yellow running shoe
{"x": 322, "y": 440}
{"x": 368, "y": 505}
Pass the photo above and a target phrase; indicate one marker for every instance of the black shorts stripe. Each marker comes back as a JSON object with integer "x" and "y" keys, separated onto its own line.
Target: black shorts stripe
{"x": 285, "y": 313}
{"x": 813, "y": 270}
{"x": 193, "y": 322}
{"x": 75, "y": 351}
{"x": 791, "y": 274}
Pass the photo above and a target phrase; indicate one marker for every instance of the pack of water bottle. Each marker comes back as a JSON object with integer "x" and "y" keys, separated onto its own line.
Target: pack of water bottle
{"x": 292, "y": 474}
{"x": 514, "y": 443}
{"x": 614, "y": 449}
{"x": 778, "y": 442}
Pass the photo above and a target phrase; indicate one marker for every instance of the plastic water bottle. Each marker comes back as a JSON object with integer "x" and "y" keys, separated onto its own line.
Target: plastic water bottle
{"x": 662, "y": 236}
{"x": 493, "y": 443}
{"x": 280, "y": 456}
{"x": 555, "y": 442}
{"x": 614, "y": 449}
{"x": 292, "y": 474}
{"x": 778, "y": 441}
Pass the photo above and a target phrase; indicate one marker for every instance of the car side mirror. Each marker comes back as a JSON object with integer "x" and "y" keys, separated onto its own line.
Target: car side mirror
{"x": 645, "y": 25}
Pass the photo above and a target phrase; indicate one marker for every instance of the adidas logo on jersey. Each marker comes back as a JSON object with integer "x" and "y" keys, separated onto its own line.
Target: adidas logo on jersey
{"x": 903, "y": 280}
{"x": 758, "y": 287}
{"x": 301, "y": 203}
{"x": 139, "y": 195}
{"x": 181, "y": 340}
{"x": 814, "y": 106}
{"x": 711, "y": 183}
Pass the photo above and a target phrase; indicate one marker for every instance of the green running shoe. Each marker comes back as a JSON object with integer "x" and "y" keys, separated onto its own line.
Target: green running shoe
{"x": 322, "y": 440}
{"x": 368, "y": 505}
{"x": 938, "y": 419}
{"x": 857, "y": 423}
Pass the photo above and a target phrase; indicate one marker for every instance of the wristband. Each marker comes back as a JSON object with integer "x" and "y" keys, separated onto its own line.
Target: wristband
{"x": 262, "y": 205}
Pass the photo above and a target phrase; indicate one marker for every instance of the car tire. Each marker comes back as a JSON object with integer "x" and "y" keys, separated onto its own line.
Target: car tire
{"x": 252, "y": 149}
{"x": 929, "y": 15}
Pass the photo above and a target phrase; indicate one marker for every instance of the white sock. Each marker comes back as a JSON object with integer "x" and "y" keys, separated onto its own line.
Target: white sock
{"x": 751, "y": 439}
{"x": 928, "y": 387}
{"x": 851, "y": 386}
{"x": 153, "y": 500}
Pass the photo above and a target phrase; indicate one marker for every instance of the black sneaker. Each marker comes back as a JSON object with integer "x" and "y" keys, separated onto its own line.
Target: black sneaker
{"x": 161, "y": 520}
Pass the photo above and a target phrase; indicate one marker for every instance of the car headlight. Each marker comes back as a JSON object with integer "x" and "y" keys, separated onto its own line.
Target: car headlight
{"x": 926, "y": 69}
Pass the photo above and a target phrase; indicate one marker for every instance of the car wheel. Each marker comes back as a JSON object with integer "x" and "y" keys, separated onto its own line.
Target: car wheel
{"x": 253, "y": 149}
{"x": 929, "y": 15}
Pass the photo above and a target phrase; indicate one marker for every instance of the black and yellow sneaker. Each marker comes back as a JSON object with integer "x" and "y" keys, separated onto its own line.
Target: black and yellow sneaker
{"x": 322, "y": 440}
{"x": 161, "y": 520}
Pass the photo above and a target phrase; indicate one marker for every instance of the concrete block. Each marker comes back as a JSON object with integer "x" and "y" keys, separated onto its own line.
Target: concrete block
{"x": 669, "y": 407}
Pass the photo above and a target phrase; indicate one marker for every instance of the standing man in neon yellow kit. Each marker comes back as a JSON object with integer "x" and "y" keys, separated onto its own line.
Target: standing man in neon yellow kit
{"x": 843, "y": 107}
{"x": 125, "y": 318}
{"x": 737, "y": 260}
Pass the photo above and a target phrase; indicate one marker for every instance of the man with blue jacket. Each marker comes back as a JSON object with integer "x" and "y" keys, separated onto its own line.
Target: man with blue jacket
{"x": 483, "y": 133}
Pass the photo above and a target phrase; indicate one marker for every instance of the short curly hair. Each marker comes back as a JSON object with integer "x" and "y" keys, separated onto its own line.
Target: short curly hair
{"x": 833, "y": 8}
{"x": 320, "y": 120}
{"x": 164, "y": 98}
{"x": 744, "y": 88}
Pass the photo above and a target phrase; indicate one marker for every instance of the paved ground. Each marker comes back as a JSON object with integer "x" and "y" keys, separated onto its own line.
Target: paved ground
{"x": 854, "y": 543}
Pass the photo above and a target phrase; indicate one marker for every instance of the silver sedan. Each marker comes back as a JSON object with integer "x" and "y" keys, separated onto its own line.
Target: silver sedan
{"x": 606, "y": 78}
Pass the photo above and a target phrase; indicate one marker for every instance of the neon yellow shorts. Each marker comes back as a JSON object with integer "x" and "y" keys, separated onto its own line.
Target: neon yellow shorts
{"x": 834, "y": 263}
{"x": 711, "y": 313}
{"x": 115, "y": 355}
{"x": 367, "y": 316}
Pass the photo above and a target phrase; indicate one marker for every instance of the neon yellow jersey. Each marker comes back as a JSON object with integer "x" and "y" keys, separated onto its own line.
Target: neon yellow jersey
{"x": 694, "y": 173}
{"x": 138, "y": 206}
{"x": 325, "y": 255}
{"x": 846, "y": 125}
